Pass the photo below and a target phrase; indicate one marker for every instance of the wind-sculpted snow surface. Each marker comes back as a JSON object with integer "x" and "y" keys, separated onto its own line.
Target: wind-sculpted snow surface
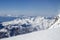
{"x": 25, "y": 25}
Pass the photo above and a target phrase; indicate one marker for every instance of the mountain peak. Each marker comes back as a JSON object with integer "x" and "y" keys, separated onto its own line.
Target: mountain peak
{"x": 58, "y": 15}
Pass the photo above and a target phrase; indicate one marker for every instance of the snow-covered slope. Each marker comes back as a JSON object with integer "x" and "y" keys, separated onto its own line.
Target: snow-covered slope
{"x": 51, "y": 34}
{"x": 56, "y": 23}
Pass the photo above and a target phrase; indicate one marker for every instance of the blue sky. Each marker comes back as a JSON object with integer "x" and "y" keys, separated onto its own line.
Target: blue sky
{"x": 30, "y": 7}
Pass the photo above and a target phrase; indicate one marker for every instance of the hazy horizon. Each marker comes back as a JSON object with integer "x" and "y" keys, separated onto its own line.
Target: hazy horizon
{"x": 29, "y": 7}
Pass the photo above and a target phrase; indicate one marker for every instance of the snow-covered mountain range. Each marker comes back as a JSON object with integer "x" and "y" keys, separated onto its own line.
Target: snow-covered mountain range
{"x": 26, "y": 24}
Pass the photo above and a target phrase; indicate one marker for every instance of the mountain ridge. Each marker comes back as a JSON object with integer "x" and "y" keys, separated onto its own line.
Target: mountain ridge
{"x": 29, "y": 24}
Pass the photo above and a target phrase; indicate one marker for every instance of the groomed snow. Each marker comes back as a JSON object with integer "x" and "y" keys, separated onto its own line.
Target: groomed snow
{"x": 49, "y": 34}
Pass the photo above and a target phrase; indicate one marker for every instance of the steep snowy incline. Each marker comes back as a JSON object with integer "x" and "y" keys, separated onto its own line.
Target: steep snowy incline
{"x": 51, "y": 34}
{"x": 57, "y": 23}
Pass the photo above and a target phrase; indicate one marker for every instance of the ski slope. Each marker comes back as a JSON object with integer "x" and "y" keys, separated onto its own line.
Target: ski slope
{"x": 49, "y": 34}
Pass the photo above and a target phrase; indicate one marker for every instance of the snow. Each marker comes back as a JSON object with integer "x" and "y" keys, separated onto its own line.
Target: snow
{"x": 56, "y": 24}
{"x": 47, "y": 29}
{"x": 38, "y": 21}
{"x": 3, "y": 30}
{"x": 50, "y": 34}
